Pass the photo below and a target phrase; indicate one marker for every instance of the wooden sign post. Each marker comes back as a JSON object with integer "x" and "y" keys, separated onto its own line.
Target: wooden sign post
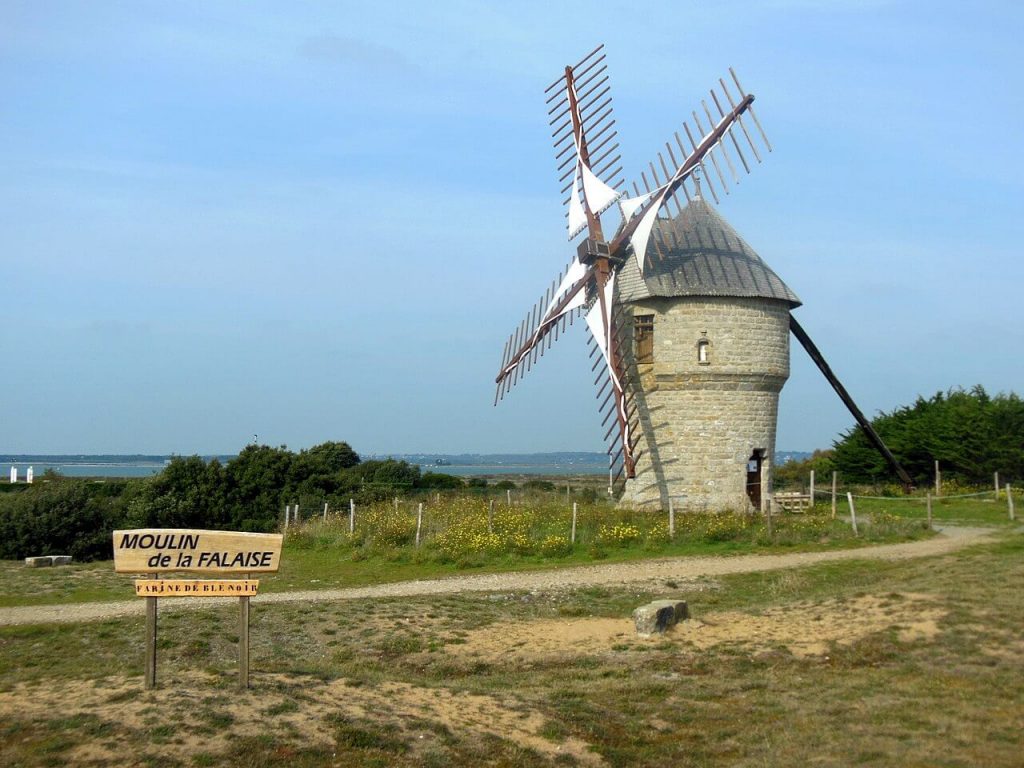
{"x": 152, "y": 550}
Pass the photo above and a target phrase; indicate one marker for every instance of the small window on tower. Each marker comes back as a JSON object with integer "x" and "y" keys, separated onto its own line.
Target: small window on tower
{"x": 643, "y": 330}
{"x": 703, "y": 351}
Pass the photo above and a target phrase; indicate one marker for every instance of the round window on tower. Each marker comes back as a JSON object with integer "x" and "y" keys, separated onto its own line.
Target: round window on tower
{"x": 703, "y": 349}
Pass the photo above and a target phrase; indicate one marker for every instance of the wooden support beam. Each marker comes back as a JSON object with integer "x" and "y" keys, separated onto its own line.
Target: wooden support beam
{"x": 869, "y": 431}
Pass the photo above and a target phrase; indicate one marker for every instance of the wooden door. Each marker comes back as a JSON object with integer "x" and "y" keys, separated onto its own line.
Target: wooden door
{"x": 754, "y": 477}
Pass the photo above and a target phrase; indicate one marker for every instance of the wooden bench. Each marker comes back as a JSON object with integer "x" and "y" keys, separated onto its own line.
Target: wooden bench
{"x": 793, "y": 501}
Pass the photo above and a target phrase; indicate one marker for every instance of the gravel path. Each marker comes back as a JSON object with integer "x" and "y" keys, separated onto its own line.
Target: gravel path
{"x": 677, "y": 568}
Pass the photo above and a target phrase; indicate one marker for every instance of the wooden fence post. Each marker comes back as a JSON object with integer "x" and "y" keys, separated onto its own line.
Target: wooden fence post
{"x": 151, "y": 615}
{"x": 834, "y": 479}
{"x": 938, "y": 479}
{"x": 508, "y": 496}
{"x": 768, "y": 516}
{"x": 929, "y": 511}
{"x": 572, "y": 532}
{"x": 287, "y": 515}
{"x": 1009, "y": 502}
{"x": 996, "y": 479}
{"x": 295, "y": 515}
{"x": 325, "y": 511}
{"x": 490, "y": 516}
{"x": 419, "y": 522}
{"x": 351, "y": 515}
{"x": 853, "y": 512}
{"x": 811, "y": 494}
{"x": 243, "y": 642}
{"x": 671, "y": 519}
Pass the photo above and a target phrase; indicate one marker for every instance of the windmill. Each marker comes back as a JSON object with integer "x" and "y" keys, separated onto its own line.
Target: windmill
{"x": 683, "y": 268}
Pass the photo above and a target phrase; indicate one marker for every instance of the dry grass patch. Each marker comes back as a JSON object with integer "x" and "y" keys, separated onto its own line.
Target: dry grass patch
{"x": 197, "y": 714}
{"x": 804, "y": 629}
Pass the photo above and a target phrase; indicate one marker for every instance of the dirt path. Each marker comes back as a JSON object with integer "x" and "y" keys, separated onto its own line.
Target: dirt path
{"x": 678, "y": 569}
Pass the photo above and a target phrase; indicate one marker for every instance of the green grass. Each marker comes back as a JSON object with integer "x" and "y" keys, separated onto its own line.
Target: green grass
{"x": 984, "y": 510}
{"x": 456, "y": 539}
{"x": 952, "y": 699}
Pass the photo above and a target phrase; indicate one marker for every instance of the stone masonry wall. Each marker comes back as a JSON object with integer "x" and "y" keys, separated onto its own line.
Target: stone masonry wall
{"x": 701, "y": 422}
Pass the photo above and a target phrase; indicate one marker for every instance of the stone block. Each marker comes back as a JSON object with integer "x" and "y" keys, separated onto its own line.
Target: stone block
{"x": 39, "y": 562}
{"x": 61, "y": 559}
{"x": 659, "y": 616}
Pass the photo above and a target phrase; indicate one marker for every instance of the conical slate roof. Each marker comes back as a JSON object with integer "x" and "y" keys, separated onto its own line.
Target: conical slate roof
{"x": 699, "y": 254}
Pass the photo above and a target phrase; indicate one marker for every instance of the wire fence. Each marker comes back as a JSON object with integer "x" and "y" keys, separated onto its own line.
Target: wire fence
{"x": 420, "y": 512}
{"x": 912, "y": 499}
{"x": 930, "y": 499}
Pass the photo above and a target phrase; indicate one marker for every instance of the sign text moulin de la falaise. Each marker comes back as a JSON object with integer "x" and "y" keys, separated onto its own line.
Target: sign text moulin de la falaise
{"x": 154, "y": 550}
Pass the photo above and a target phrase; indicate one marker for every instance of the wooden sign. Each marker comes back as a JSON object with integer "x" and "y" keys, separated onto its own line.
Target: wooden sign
{"x": 151, "y": 550}
{"x": 194, "y": 588}
{"x": 148, "y": 550}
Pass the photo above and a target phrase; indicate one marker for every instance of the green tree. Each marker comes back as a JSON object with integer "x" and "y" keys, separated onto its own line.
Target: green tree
{"x": 317, "y": 471}
{"x": 969, "y": 432}
{"x": 332, "y": 456}
{"x": 189, "y": 493}
{"x": 378, "y": 478}
{"x": 258, "y": 481}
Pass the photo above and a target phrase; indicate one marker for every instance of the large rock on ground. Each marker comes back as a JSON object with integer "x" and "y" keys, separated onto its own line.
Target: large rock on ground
{"x": 44, "y": 561}
{"x": 659, "y": 616}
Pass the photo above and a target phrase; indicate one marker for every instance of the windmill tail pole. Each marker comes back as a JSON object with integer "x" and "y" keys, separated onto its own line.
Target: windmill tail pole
{"x": 837, "y": 385}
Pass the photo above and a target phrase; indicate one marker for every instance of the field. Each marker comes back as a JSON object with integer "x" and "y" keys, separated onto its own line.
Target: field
{"x": 466, "y": 534}
{"x": 915, "y": 661}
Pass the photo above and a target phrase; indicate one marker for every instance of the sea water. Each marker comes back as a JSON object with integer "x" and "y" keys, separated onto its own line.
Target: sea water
{"x": 119, "y": 467}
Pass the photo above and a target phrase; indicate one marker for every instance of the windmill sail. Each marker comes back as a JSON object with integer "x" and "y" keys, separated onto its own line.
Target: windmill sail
{"x": 641, "y": 212}
{"x": 584, "y": 139}
{"x": 561, "y": 303}
{"x": 580, "y": 108}
{"x": 586, "y": 150}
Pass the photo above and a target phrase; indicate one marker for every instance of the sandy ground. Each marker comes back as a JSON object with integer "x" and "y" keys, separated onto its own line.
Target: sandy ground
{"x": 418, "y": 716}
{"x": 681, "y": 569}
{"x": 308, "y": 710}
{"x": 805, "y": 629}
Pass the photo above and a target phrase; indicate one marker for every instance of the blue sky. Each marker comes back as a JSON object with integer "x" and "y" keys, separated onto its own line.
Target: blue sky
{"x": 315, "y": 221}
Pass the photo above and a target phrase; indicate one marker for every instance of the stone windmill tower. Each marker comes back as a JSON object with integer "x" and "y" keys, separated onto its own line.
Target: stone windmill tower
{"x": 706, "y": 332}
{"x": 689, "y": 328}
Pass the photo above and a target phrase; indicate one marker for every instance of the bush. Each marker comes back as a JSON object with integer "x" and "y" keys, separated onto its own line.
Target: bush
{"x": 538, "y": 485}
{"x": 467, "y": 538}
{"x": 64, "y": 517}
{"x": 618, "y": 535}
{"x": 441, "y": 481}
{"x": 716, "y": 526}
{"x": 77, "y": 516}
{"x": 555, "y": 546}
{"x": 387, "y": 527}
